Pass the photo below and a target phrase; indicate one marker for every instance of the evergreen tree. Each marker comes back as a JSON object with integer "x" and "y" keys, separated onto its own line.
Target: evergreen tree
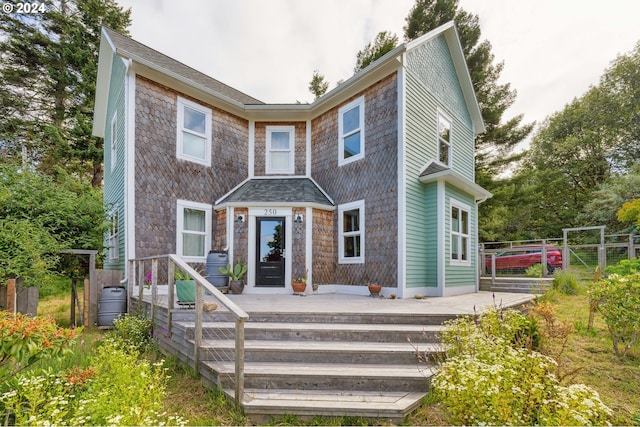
{"x": 48, "y": 69}
{"x": 383, "y": 43}
{"x": 318, "y": 86}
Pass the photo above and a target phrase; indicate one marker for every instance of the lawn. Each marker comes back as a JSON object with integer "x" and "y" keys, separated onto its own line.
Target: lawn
{"x": 588, "y": 353}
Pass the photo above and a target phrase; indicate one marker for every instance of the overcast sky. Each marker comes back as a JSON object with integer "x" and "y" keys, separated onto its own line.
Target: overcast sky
{"x": 552, "y": 50}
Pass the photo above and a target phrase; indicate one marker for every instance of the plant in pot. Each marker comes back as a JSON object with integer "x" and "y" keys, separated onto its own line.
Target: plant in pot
{"x": 374, "y": 289}
{"x": 235, "y": 273}
{"x": 185, "y": 288}
{"x": 299, "y": 284}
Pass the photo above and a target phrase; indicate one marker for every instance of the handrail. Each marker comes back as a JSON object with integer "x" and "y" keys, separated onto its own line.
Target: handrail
{"x": 238, "y": 313}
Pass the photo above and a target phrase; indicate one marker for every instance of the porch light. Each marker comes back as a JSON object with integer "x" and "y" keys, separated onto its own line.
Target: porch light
{"x": 299, "y": 218}
{"x": 240, "y": 218}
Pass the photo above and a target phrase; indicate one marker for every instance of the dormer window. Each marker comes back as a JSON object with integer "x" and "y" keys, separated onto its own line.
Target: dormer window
{"x": 444, "y": 140}
{"x": 351, "y": 132}
{"x": 194, "y": 132}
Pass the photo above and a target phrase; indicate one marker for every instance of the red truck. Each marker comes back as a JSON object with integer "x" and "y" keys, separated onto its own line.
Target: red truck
{"x": 519, "y": 258}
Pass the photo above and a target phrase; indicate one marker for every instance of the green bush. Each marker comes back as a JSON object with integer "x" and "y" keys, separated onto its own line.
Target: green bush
{"x": 133, "y": 331}
{"x": 490, "y": 381}
{"x": 534, "y": 271}
{"x": 617, "y": 298}
{"x": 624, "y": 267}
{"x": 566, "y": 282}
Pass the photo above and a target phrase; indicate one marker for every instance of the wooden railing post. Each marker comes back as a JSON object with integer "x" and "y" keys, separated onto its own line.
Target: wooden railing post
{"x": 197, "y": 338}
{"x": 171, "y": 268}
{"x": 154, "y": 288}
{"x": 140, "y": 282}
{"x": 239, "y": 361}
{"x": 543, "y": 259}
{"x": 131, "y": 284}
{"x": 493, "y": 269}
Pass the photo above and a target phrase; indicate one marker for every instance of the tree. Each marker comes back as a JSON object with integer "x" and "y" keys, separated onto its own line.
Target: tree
{"x": 630, "y": 211}
{"x": 318, "y": 86}
{"x": 494, "y": 148}
{"x": 383, "y": 43}
{"x": 40, "y": 216}
{"x": 48, "y": 71}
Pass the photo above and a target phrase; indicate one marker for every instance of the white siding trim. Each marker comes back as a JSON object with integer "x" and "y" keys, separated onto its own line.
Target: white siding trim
{"x": 252, "y": 144}
{"x": 308, "y": 264}
{"x": 442, "y": 256}
{"x": 402, "y": 186}
{"x": 307, "y": 171}
{"x": 130, "y": 168}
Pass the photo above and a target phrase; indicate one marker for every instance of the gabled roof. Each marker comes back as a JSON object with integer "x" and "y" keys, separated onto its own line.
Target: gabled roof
{"x": 434, "y": 171}
{"x": 277, "y": 192}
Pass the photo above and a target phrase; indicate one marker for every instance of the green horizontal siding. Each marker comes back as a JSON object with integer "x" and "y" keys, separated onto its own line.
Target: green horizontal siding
{"x": 114, "y": 185}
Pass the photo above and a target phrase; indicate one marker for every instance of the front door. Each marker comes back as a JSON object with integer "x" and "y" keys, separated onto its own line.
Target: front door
{"x": 270, "y": 251}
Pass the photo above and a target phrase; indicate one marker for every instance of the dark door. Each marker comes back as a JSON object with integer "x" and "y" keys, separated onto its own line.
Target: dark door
{"x": 270, "y": 251}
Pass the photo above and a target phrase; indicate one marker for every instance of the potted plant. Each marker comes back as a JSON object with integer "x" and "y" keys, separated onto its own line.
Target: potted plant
{"x": 374, "y": 289}
{"x": 299, "y": 285}
{"x": 235, "y": 273}
{"x": 185, "y": 288}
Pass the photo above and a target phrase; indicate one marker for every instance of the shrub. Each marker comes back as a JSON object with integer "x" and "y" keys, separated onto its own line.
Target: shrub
{"x": 489, "y": 380}
{"x": 133, "y": 331}
{"x": 25, "y": 340}
{"x": 624, "y": 267}
{"x": 617, "y": 298}
{"x": 566, "y": 282}
{"x": 534, "y": 271}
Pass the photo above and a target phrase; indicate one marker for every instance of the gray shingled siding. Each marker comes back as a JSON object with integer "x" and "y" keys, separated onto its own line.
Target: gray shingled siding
{"x": 324, "y": 248}
{"x": 373, "y": 178}
{"x": 161, "y": 179}
{"x": 261, "y": 146}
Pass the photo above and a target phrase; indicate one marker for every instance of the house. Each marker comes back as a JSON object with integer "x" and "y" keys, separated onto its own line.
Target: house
{"x": 372, "y": 182}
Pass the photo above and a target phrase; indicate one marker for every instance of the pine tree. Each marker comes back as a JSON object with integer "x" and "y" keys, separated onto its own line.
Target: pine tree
{"x": 48, "y": 69}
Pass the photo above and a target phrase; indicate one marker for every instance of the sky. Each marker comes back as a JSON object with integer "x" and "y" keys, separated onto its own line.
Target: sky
{"x": 552, "y": 50}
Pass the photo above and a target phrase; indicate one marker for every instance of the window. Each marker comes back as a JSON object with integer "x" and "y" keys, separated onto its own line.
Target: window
{"x": 351, "y": 233}
{"x": 351, "y": 130}
{"x": 194, "y": 132}
{"x": 193, "y": 230}
{"x": 280, "y": 149}
{"x": 114, "y": 252}
{"x": 444, "y": 140}
{"x": 114, "y": 143}
{"x": 460, "y": 241}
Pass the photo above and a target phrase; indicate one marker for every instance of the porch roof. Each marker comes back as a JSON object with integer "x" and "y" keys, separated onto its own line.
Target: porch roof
{"x": 434, "y": 171}
{"x": 283, "y": 191}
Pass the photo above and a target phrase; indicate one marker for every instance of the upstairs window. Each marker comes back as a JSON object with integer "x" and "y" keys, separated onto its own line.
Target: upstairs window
{"x": 193, "y": 230}
{"x": 280, "y": 150}
{"x": 351, "y": 230}
{"x": 114, "y": 252}
{"x": 194, "y": 132}
{"x": 351, "y": 130}
{"x": 114, "y": 141}
{"x": 444, "y": 140}
{"x": 460, "y": 239}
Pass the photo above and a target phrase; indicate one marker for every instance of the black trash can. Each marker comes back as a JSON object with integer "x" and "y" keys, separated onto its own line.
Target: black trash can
{"x": 215, "y": 260}
{"x": 112, "y": 304}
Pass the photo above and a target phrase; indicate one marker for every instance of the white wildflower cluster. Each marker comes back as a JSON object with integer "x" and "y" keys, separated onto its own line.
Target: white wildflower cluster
{"x": 495, "y": 383}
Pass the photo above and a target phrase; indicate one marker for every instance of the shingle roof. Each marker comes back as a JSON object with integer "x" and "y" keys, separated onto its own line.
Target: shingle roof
{"x": 278, "y": 190}
{"x": 125, "y": 44}
{"x": 433, "y": 168}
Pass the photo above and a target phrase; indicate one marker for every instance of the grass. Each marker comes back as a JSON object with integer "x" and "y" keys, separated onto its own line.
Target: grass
{"x": 589, "y": 353}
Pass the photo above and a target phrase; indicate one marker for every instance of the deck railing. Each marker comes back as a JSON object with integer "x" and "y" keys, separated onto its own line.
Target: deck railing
{"x": 140, "y": 276}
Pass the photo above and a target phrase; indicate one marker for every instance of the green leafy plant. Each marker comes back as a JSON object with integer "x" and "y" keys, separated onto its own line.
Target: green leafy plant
{"x": 489, "y": 380}
{"x": 566, "y": 282}
{"x": 180, "y": 274}
{"x": 237, "y": 272}
{"x": 25, "y": 340}
{"x": 133, "y": 331}
{"x": 624, "y": 267}
{"x": 534, "y": 271}
{"x": 617, "y": 298}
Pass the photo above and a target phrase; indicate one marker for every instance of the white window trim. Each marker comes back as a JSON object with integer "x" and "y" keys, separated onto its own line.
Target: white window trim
{"x": 341, "y": 234}
{"x": 182, "y": 102}
{"x": 353, "y": 104}
{"x": 458, "y": 235}
{"x": 291, "y": 150}
{"x": 114, "y": 141}
{"x": 449, "y": 143}
{"x": 208, "y": 209}
{"x": 113, "y": 237}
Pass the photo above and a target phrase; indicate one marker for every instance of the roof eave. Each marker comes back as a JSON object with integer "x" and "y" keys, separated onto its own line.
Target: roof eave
{"x": 457, "y": 180}
{"x": 103, "y": 81}
{"x": 273, "y": 204}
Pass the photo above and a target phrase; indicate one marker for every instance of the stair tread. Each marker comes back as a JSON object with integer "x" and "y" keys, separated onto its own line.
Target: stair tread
{"x": 327, "y": 369}
{"x": 298, "y": 345}
{"x": 336, "y": 400}
{"x": 304, "y": 326}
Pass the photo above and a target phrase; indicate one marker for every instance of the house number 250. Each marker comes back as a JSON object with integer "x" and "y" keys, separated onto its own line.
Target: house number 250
{"x": 271, "y": 212}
